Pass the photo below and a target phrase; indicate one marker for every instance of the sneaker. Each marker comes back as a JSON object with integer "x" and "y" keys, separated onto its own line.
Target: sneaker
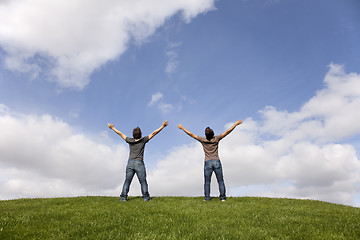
{"x": 223, "y": 200}
{"x": 147, "y": 199}
{"x": 123, "y": 200}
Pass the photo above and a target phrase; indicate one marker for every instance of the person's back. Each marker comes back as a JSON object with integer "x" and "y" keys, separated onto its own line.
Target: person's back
{"x": 211, "y": 147}
{"x": 137, "y": 147}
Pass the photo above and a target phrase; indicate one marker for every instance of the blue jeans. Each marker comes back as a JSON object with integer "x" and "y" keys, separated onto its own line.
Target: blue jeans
{"x": 211, "y": 166}
{"x": 138, "y": 167}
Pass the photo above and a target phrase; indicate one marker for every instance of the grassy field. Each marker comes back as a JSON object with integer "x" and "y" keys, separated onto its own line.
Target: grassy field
{"x": 176, "y": 218}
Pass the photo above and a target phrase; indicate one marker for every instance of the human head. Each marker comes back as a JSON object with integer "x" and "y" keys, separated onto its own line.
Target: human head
{"x": 209, "y": 133}
{"x": 137, "y": 133}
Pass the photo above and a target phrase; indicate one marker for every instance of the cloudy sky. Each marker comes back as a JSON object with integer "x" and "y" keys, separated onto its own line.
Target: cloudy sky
{"x": 290, "y": 69}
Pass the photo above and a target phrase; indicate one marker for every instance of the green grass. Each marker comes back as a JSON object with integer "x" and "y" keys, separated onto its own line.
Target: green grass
{"x": 176, "y": 218}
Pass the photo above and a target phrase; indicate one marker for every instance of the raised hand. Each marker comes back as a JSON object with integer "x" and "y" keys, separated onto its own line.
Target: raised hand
{"x": 165, "y": 123}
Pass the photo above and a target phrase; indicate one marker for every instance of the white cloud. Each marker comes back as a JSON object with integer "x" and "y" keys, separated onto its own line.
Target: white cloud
{"x": 179, "y": 173}
{"x": 329, "y": 116}
{"x": 286, "y": 154}
{"x": 66, "y": 41}
{"x": 172, "y": 55}
{"x": 42, "y": 156}
{"x": 165, "y": 107}
{"x": 301, "y": 159}
{"x": 155, "y": 98}
{"x": 3, "y": 109}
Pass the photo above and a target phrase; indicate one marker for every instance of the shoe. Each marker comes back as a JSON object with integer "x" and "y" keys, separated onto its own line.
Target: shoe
{"x": 123, "y": 200}
{"x": 223, "y": 200}
{"x": 147, "y": 199}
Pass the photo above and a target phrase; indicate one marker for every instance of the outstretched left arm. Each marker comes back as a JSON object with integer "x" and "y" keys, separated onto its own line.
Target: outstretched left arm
{"x": 158, "y": 130}
{"x": 238, "y": 122}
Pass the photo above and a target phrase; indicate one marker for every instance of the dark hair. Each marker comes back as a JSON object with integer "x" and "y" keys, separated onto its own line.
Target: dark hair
{"x": 209, "y": 133}
{"x": 137, "y": 133}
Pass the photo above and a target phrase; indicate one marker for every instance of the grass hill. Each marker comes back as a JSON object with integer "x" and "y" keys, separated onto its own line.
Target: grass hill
{"x": 177, "y": 218}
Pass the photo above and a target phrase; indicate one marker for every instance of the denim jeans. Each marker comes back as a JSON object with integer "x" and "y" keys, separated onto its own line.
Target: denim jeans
{"x": 211, "y": 166}
{"x": 138, "y": 167}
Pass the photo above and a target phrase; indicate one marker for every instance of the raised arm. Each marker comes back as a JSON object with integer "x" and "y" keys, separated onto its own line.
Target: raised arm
{"x": 158, "y": 130}
{"x": 111, "y": 126}
{"x": 188, "y": 132}
{"x": 238, "y": 122}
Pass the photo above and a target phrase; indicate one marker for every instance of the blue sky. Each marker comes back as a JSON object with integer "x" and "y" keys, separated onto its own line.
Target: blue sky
{"x": 288, "y": 69}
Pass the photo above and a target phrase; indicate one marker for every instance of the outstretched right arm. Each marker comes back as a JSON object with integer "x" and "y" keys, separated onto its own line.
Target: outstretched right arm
{"x": 111, "y": 126}
{"x": 188, "y": 132}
